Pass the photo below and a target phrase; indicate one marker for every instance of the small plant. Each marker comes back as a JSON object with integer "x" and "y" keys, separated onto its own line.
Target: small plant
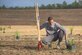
{"x": 4, "y": 30}
{"x": 1, "y": 29}
{"x": 71, "y": 45}
{"x": 71, "y": 30}
{"x": 71, "y": 42}
{"x": 17, "y": 35}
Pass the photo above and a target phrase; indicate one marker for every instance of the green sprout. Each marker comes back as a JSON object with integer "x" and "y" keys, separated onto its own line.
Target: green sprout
{"x": 4, "y": 30}
{"x": 17, "y": 35}
{"x": 71, "y": 42}
{"x": 1, "y": 29}
{"x": 71, "y": 30}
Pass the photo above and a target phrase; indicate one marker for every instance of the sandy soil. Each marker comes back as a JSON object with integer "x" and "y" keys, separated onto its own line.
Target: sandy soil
{"x": 27, "y": 45}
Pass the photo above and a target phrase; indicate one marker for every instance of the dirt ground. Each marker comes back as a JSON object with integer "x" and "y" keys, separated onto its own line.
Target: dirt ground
{"x": 27, "y": 45}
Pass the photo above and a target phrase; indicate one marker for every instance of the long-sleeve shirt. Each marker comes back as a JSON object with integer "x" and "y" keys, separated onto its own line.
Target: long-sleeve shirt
{"x": 53, "y": 28}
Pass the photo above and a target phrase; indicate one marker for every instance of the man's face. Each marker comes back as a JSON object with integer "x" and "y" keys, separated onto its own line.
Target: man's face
{"x": 51, "y": 21}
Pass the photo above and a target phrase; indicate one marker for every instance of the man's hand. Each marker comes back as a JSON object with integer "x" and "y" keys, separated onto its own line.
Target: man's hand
{"x": 58, "y": 30}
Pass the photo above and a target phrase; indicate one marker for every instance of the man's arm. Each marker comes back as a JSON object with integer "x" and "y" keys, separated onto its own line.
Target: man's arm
{"x": 60, "y": 27}
{"x": 43, "y": 26}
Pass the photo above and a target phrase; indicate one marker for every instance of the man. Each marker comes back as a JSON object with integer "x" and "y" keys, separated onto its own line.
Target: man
{"x": 54, "y": 32}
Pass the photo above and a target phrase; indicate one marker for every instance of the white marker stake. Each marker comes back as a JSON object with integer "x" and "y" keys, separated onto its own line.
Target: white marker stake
{"x": 37, "y": 18}
{"x": 38, "y": 25}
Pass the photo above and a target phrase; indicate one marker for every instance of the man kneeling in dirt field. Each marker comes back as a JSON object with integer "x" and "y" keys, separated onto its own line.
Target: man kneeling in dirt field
{"x": 54, "y": 32}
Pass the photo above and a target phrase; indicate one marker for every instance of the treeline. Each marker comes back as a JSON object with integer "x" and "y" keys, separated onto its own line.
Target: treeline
{"x": 64, "y": 5}
{"x": 17, "y": 7}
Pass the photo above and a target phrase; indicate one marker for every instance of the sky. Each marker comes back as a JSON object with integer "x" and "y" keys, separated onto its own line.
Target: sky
{"x": 23, "y": 3}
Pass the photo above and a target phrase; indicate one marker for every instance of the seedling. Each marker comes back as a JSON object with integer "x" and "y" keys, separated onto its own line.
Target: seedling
{"x": 71, "y": 30}
{"x": 1, "y": 29}
{"x": 4, "y": 30}
{"x": 17, "y": 35}
{"x": 71, "y": 45}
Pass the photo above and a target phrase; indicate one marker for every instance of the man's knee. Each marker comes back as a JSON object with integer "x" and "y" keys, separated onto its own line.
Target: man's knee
{"x": 61, "y": 35}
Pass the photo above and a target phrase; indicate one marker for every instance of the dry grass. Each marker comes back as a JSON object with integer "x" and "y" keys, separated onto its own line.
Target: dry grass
{"x": 32, "y": 30}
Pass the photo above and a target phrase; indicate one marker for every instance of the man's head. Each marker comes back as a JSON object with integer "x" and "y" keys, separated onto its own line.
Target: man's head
{"x": 50, "y": 20}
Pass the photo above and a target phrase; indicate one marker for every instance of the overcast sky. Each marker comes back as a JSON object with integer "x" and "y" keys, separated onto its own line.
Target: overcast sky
{"x": 24, "y": 3}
